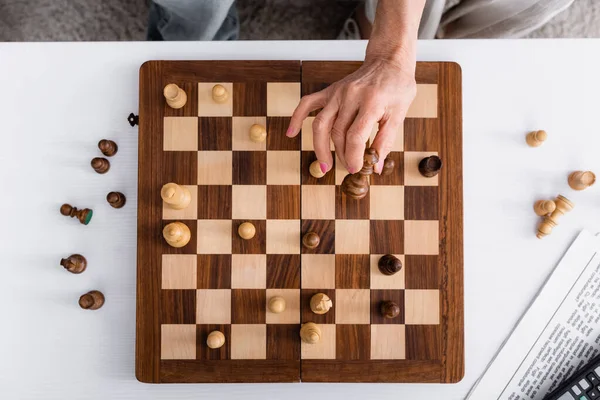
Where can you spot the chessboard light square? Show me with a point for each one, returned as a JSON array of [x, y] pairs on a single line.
[[425, 104], [388, 342], [248, 342], [421, 237], [386, 202], [318, 271], [214, 236], [318, 202], [412, 176], [180, 133], [240, 127], [283, 168], [215, 167], [352, 236], [398, 144], [207, 107], [248, 271], [177, 342], [249, 202], [352, 306], [179, 271], [324, 349], [283, 236], [213, 306], [307, 136], [291, 314], [381, 281], [422, 307], [190, 212], [282, 98]]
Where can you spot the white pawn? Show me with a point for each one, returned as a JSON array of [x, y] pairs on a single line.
[[175, 96]]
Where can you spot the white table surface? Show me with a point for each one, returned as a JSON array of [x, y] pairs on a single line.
[[58, 100]]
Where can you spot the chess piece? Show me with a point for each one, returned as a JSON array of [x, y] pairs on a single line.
[[175, 96], [311, 240], [389, 264], [388, 167], [92, 300], [108, 147], [430, 166], [536, 138], [580, 180], [389, 309], [116, 199], [176, 196], [315, 169], [258, 133], [310, 333], [84, 216], [219, 94], [563, 206], [277, 304], [545, 227], [177, 234], [247, 231], [215, 339], [320, 303], [101, 165], [75, 263], [356, 185], [544, 207]]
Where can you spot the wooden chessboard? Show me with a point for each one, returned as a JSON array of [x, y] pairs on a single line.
[[221, 282]]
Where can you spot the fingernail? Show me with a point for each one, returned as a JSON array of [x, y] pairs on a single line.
[[289, 132], [351, 170], [324, 167]]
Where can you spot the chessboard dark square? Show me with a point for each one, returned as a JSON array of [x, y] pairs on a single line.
[[352, 271], [421, 134], [352, 342], [249, 167], [397, 175], [256, 245], [421, 203], [283, 342], [249, 99], [190, 109], [214, 133], [248, 306], [214, 271], [203, 352], [276, 139], [326, 231], [421, 272], [306, 313], [387, 237], [283, 202], [349, 208], [379, 296], [177, 306], [423, 342], [307, 179], [214, 202], [189, 248], [180, 167], [312, 87], [283, 271]]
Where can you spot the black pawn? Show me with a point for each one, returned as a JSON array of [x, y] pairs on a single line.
[[430, 166], [389, 264], [116, 199], [108, 147], [100, 165]]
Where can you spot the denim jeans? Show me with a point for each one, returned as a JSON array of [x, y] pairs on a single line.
[[193, 20]]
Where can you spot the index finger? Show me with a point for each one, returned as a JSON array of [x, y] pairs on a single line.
[[307, 104]]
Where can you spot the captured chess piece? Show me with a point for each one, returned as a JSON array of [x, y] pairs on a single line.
[[430, 166], [101, 165], [320, 303], [389, 264], [310, 333], [580, 180], [75, 263], [108, 147], [175, 96], [389, 309], [544, 207], [176, 196], [315, 169], [92, 300], [545, 227], [258, 133], [177, 234], [536, 138], [84, 216], [311, 240], [215, 340], [356, 186], [388, 167], [219, 94], [563, 206], [276, 304], [247, 231], [116, 199]]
